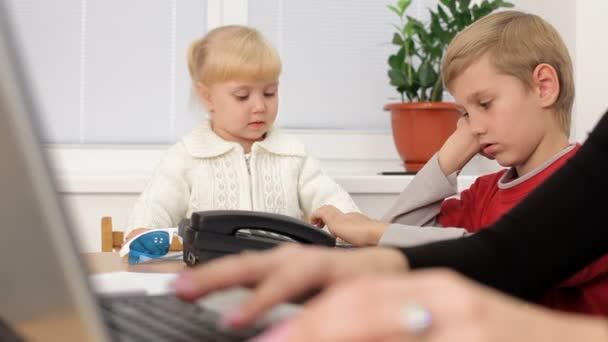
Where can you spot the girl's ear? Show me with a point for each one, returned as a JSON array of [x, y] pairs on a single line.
[[546, 82], [204, 94]]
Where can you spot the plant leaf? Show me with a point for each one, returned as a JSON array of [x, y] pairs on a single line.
[[410, 46], [397, 39], [404, 4], [426, 74], [436, 28], [443, 15], [395, 10], [465, 12], [437, 91], [408, 29], [452, 7], [463, 5], [397, 60], [414, 69], [398, 78], [415, 22]]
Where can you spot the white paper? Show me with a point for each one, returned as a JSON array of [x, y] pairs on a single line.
[[132, 282]]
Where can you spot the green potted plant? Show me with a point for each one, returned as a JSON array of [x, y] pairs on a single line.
[[421, 122]]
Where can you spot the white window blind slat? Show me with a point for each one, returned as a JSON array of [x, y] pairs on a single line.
[[49, 33]]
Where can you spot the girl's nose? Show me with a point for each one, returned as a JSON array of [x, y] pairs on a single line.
[[259, 105]]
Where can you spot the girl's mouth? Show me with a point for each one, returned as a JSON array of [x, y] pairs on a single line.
[[257, 124]]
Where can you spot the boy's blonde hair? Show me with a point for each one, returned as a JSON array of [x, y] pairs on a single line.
[[230, 53], [516, 43]]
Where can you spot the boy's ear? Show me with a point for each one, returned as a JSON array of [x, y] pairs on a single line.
[[546, 82], [204, 93]]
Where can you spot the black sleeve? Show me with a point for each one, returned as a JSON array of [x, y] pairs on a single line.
[[555, 231]]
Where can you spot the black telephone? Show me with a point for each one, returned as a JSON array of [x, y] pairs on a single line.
[[214, 233]]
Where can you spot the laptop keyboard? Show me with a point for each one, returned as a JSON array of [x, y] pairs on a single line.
[[7, 334], [165, 318]]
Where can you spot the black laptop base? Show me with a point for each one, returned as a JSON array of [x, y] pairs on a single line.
[[165, 318]]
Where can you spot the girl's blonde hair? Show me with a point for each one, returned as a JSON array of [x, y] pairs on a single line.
[[232, 52], [516, 43]]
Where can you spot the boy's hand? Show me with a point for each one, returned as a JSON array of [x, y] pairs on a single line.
[[458, 149], [354, 228]]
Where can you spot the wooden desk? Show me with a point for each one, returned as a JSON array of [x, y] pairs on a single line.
[[110, 262]]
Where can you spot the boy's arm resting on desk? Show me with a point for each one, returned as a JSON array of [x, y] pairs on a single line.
[[315, 189], [420, 202], [413, 218], [401, 235], [164, 201]]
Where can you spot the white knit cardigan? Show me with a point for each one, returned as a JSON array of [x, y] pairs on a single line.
[[205, 172]]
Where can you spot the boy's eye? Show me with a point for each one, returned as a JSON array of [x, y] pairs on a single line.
[[484, 104], [242, 97], [465, 115], [269, 94]]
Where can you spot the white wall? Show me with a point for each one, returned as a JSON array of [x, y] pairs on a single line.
[[591, 65]]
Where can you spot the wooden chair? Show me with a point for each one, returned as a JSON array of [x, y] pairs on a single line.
[[112, 240]]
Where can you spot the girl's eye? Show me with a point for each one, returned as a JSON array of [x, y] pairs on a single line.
[[241, 97], [484, 105], [269, 94]]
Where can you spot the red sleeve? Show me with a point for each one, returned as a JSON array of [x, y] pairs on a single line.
[[596, 269], [465, 212]]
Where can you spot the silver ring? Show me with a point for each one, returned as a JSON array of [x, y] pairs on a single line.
[[415, 318]]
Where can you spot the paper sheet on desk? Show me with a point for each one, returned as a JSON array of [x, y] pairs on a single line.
[[129, 282]]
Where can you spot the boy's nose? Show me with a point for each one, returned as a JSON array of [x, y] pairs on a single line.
[[477, 126]]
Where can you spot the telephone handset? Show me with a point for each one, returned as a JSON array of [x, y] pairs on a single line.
[[214, 233]]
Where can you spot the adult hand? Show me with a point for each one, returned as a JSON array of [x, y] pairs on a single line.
[[378, 308], [354, 228], [283, 273]]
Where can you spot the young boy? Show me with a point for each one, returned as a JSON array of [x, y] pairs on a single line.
[[511, 77]]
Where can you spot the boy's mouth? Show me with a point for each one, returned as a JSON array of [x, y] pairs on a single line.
[[488, 149]]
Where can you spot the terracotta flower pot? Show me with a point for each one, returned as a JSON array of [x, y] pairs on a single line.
[[420, 129]]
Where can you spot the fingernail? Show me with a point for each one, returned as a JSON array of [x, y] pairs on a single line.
[[277, 333], [230, 319], [184, 282]]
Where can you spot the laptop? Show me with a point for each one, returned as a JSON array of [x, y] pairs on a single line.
[[44, 292]]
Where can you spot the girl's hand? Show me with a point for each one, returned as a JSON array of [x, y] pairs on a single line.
[[283, 273], [354, 228], [383, 308]]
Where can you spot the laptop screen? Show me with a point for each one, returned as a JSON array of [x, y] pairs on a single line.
[[42, 278]]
